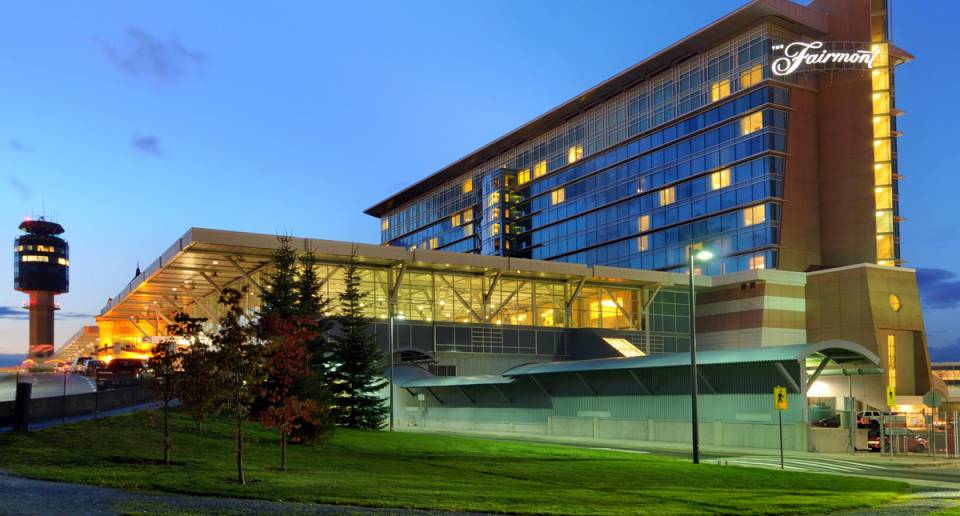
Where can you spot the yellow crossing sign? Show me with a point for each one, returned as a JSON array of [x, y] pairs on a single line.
[[891, 395], [780, 398]]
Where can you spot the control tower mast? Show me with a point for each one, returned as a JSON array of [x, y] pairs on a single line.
[[41, 269]]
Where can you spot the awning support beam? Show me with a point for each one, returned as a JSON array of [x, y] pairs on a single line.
[[216, 287], [465, 395], [621, 308], [459, 297], [540, 386], [636, 378], [786, 376], [501, 393], [246, 274], [703, 378], [434, 395], [816, 374], [593, 391], [503, 303], [576, 293]]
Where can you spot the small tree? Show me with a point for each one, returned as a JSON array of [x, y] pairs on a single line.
[[163, 363], [196, 386], [356, 372], [239, 360], [288, 363]]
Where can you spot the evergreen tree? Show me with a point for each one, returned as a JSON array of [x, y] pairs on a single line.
[[196, 387], [240, 364], [356, 370], [280, 296]]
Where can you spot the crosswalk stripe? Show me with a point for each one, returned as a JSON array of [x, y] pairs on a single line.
[[764, 464], [822, 465]]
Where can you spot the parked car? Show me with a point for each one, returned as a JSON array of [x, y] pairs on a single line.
[[120, 372], [80, 364], [913, 442], [92, 366], [869, 418], [828, 422]]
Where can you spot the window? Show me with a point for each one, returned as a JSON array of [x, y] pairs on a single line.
[[881, 79], [34, 258], [884, 196], [754, 215], [384, 224], [455, 220], [882, 150], [643, 243], [493, 198], [434, 243], [751, 123], [752, 76], [495, 214], [644, 222], [892, 360], [719, 90], [523, 176], [884, 221], [720, 179], [883, 173], [468, 185], [468, 230], [574, 153], [884, 247], [757, 262], [881, 103], [63, 261], [468, 216], [539, 169], [494, 229], [668, 196], [557, 196], [881, 126]]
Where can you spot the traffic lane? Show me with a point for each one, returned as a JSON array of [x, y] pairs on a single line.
[[46, 385]]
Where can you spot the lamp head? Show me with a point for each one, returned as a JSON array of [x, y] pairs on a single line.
[[703, 255]]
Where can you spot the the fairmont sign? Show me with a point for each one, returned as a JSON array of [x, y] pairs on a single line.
[[816, 56]]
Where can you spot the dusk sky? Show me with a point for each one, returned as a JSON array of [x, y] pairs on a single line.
[[130, 122]]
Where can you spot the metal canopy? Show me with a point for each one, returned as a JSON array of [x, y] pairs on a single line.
[[837, 350], [453, 381]]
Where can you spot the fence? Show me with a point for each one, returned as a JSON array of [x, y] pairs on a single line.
[[931, 433]]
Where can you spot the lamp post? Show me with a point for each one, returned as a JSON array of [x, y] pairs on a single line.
[[392, 317], [703, 256]]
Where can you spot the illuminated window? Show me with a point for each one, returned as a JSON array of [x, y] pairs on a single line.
[[495, 214], [34, 258], [884, 247], [557, 196], [19, 248], [752, 76], [643, 243], [884, 196], [384, 224], [644, 222], [624, 347], [718, 90], [574, 153], [468, 230], [883, 173], [539, 169], [63, 261], [757, 262], [720, 179], [881, 79], [881, 50], [882, 150], [494, 229], [468, 186], [493, 198], [881, 103], [751, 123], [754, 215], [891, 360], [881, 126], [884, 221], [455, 220], [523, 176], [468, 216], [434, 243], [668, 196]]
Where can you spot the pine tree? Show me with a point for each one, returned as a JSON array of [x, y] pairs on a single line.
[[312, 306], [280, 296], [356, 371], [240, 364]]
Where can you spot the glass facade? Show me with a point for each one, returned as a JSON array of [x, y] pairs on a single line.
[[691, 158]]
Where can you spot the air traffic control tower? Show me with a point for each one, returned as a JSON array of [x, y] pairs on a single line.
[[41, 268]]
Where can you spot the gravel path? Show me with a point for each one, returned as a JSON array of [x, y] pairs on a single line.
[[25, 497]]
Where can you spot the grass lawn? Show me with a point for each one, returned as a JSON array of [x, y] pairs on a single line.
[[422, 471]]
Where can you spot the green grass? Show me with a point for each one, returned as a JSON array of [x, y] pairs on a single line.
[[424, 471]]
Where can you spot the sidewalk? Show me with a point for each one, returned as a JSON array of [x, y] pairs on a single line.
[[915, 461]]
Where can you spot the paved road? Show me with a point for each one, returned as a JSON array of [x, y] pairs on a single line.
[[45, 385], [25, 497]]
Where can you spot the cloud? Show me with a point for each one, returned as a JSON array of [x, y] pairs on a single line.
[[24, 190], [141, 55], [13, 312], [948, 353], [939, 288], [73, 315], [147, 144], [17, 145]]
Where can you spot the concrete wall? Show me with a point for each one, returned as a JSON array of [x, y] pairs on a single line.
[[52, 408]]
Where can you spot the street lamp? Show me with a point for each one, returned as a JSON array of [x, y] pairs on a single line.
[[702, 255]]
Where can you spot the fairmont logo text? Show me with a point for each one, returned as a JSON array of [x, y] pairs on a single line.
[[814, 55]]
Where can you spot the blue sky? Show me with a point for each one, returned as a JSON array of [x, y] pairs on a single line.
[[131, 121]]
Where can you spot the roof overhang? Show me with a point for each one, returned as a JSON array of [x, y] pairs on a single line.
[[792, 16]]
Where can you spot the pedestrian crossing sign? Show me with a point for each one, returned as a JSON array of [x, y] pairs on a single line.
[[891, 395], [780, 398]]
